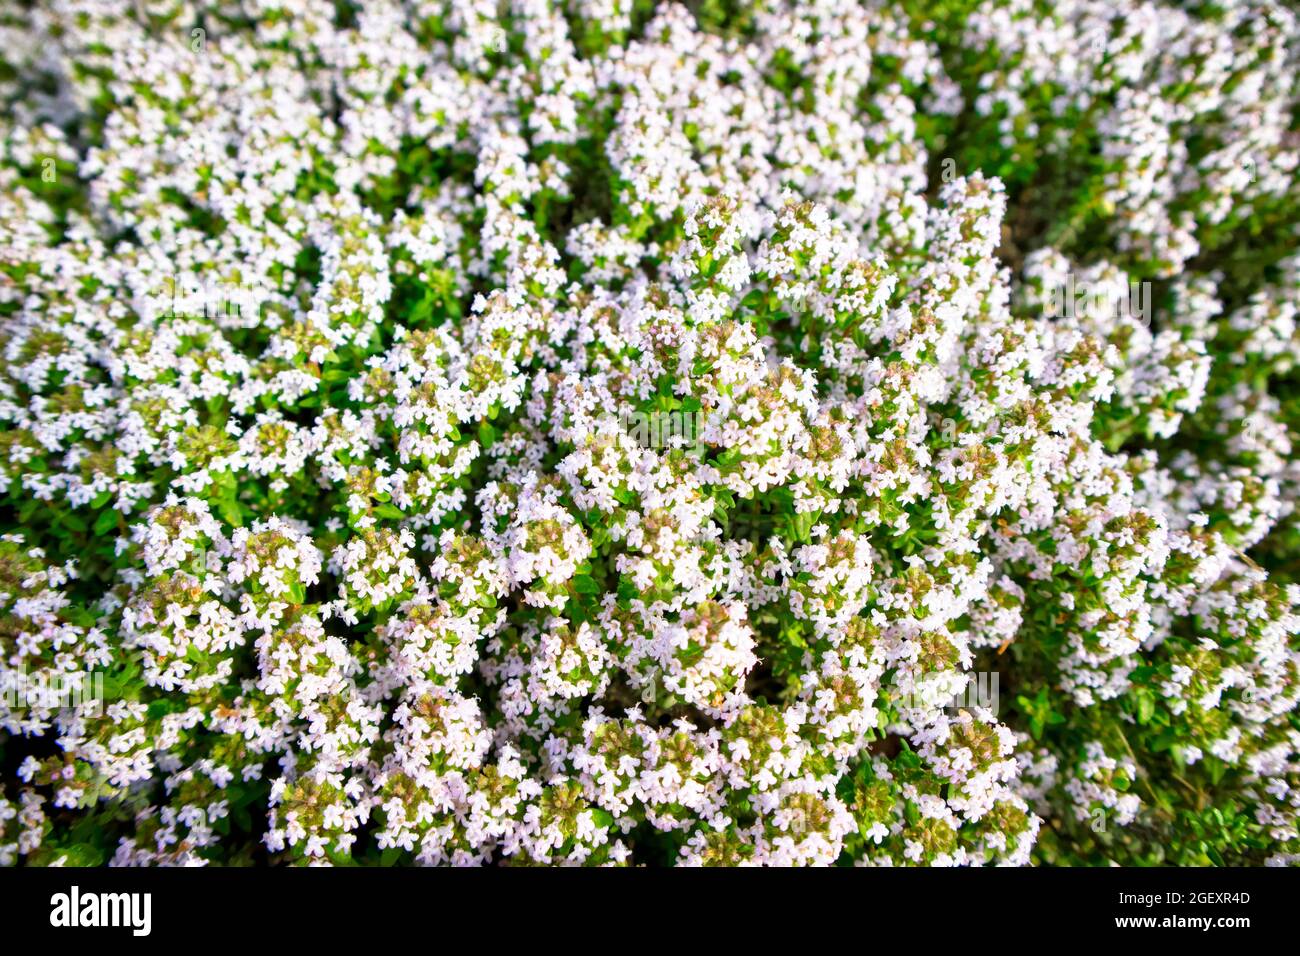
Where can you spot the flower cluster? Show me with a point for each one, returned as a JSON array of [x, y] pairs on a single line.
[[322, 325]]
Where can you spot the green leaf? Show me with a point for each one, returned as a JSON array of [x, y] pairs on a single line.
[[231, 512], [74, 521], [105, 523], [585, 585]]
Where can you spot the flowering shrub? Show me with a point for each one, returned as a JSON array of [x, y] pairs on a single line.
[[741, 432]]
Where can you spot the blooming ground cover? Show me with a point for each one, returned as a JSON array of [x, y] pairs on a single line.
[[606, 431]]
